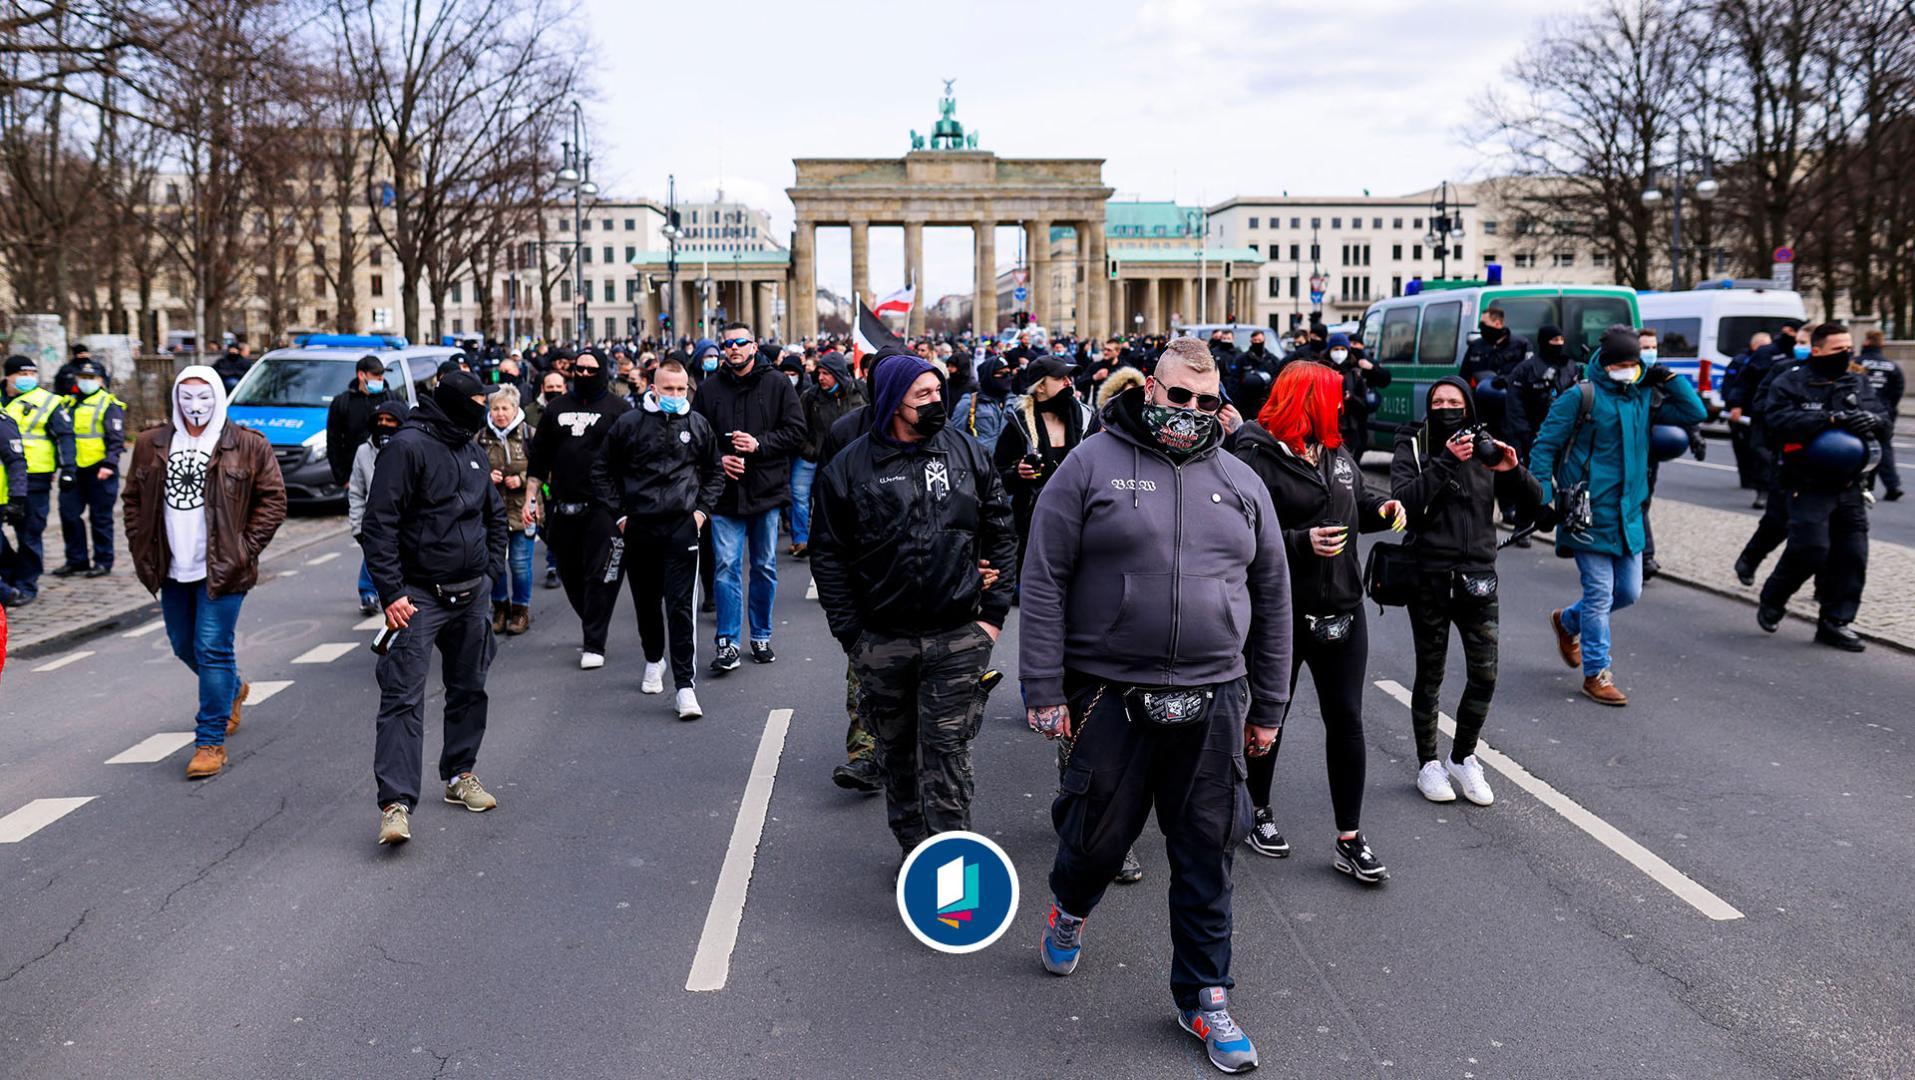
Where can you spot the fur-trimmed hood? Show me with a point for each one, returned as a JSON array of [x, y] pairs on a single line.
[[1117, 382]]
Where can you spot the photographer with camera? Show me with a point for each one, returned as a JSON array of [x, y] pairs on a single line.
[[1594, 445], [1450, 474]]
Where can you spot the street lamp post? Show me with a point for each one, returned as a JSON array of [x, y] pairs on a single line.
[[1706, 190], [1438, 238], [672, 233], [575, 172], [1317, 281]]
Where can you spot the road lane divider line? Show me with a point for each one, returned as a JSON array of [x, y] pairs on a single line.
[[37, 815], [326, 558], [143, 630], [711, 963], [59, 662], [371, 622], [811, 589], [262, 690], [1684, 887], [326, 653], [152, 748]]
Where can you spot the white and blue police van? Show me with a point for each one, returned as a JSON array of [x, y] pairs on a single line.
[[1699, 330]]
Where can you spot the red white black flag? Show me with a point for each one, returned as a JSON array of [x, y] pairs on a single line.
[[870, 334]]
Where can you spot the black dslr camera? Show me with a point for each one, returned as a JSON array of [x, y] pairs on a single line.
[[1485, 448]]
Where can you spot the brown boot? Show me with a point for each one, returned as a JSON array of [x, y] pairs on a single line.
[[1568, 644], [1601, 689], [518, 619], [239, 699], [498, 617], [207, 761]]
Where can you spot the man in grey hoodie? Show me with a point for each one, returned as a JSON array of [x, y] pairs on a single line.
[[1156, 564]]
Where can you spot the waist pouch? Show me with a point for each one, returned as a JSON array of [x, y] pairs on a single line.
[[1477, 585], [1168, 706], [458, 593], [1330, 629]]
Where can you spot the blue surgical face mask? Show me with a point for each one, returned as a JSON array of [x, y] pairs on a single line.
[[677, 406], [1648, 356], [89, 386], [711, 363], [25, 383], [375, 386], [1801, 352]]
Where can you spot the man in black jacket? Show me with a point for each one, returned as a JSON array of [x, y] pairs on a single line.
[[349, 416], [920, 620], [658, 475], [1886, 379], [1492, 356], [434, 535], [831, 396], [754, 412], [578, 531]]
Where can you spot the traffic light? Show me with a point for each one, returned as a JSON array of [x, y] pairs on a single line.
[[1023, 319]]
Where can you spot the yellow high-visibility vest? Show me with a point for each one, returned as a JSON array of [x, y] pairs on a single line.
[[31, 411], [89, 427]]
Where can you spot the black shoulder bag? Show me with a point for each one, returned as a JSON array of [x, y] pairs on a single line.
[[1573, 512]]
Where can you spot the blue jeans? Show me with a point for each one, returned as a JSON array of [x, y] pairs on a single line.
[[728, 537], [802, 473], [1610, 583], [515, 586], [366, 587], [201, 630]]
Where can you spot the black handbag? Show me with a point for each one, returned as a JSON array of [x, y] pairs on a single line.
[[1389, 575]]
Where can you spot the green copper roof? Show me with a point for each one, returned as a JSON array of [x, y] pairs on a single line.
[[1144, 221]]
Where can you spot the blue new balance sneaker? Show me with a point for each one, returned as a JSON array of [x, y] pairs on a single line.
[[1229, 1048], [1063, 941]]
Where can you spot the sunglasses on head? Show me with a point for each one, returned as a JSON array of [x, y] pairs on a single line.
[[1205, 402], [737, 343]]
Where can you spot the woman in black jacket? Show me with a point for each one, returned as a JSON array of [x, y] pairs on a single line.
[[1452, 494], [1297, 449]]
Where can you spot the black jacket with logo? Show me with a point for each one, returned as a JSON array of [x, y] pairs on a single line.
[[1452, 503], [654, 464], [566, 445], [764, 404], [1799, 405], [1307, 496], [348, 424], [433, 516], [896, 535]]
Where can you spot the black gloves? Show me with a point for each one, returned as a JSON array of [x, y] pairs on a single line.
[[1857, 421], [1658, 374], [15, 512], [67, 479], [1546, 517], [1698, 446]]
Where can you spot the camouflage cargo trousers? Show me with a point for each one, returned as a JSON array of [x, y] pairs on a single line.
[[919, 696], [858, 742]]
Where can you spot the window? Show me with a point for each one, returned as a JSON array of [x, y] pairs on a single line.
[[631, 253], [1601, 258], [1336, 223], [1416, 223], [611, 330], [1296, 223], [377, 257], [694, 217], [1293, 252], [1316, 252], [1376, 223], [1293, 286], [378, 284], [1524, 260], [631, 224], [453, 293], [1488, 257], [319, 284], [1456, 252], [631, 290], [1316, 223], [1563, 258], [1437, 343], [565, 295], [1396, 252], [1255, 248], [565, 225], [1253, 223], [458, 326], [565, 328], [1276, 287], [611, 291], [1678, 338], [1366, 254], [608, 252], [1416, 252], [1489, 227], [320, 315], [608, 224], [1396, 223], [1399, 336], [1396, 285]]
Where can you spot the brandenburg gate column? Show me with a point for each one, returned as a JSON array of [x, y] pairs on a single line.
[[984, 303], [861, 261], [914, 272], [1086, 282], [803, 303], [1037, 241], [1153, 307], [1099, 319]]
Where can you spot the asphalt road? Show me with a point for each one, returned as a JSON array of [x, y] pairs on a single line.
[[249, 926]]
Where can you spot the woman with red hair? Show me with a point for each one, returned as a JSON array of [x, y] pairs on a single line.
[[1296, 449]]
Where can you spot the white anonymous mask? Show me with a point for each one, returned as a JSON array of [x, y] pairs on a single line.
[[197, 403]]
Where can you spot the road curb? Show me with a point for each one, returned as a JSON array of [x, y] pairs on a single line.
[[147, 608]]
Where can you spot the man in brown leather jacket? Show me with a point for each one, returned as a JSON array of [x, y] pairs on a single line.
[[203, 499]]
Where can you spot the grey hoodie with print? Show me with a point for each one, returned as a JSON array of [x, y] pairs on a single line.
[[1148, 573]]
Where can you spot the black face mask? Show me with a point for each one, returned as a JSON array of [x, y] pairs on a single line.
[[466, 414], [1552, 350], [1490, 333], [930, 419], [588, 385], [1448, 419], [1058, 402], [381, 436], [1830, 365]]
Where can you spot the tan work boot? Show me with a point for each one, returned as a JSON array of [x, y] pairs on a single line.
[[498, 617], [1568, 644], [395, 825], [207, 761], [465, 790], [1601, 689], [239, 699], [518, 619]]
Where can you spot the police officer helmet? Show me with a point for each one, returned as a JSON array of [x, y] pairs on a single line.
[[1840, 455], [1667, 442]]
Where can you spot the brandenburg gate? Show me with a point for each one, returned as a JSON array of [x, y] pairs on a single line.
[[952, 183]]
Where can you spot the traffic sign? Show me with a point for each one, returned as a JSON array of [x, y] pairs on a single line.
[[1784, 255], [1783, 274], [1020, 294], [1316, 296]]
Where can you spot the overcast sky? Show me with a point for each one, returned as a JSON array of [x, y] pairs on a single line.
[[1194, 100]]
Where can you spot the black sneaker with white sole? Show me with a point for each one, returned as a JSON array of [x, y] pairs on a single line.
[[1355, 858], [1264, 839], [761, 653], [727, 659]]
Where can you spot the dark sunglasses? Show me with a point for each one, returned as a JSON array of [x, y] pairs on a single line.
[[737, 343], [1205, 402], [579, 370]]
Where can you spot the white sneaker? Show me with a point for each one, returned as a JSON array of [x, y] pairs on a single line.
[[591, 661], [1435, 786], [688, 704], [1469, 777], [654, 678]]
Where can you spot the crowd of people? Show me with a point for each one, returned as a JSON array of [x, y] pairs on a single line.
[[1175, 521]]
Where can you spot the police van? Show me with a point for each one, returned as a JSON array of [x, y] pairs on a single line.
[[1239, 333], [285, 395], [1422, 335], [1698, 331]]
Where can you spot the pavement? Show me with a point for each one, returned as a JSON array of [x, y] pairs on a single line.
[[73, 607], [1710, 883]]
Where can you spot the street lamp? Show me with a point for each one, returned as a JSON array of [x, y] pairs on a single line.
[[1706, 191], [575, 172], [1441, 226], [672, 232]]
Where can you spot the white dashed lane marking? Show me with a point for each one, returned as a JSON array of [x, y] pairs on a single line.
[[152, 748], [327, 653], [326, 558], [59, 662], [1576, 814], [711, 964], [263, 690], [145, 629], [371, 622], [37, 815], [811, 589]]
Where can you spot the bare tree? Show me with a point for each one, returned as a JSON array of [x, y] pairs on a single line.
[[339, 151]]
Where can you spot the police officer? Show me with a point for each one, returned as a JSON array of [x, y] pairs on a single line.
[[13, 501], [46, 435], [99, 434], [1827, 515], [1787, 352], [1491, 357], [1885, 378]]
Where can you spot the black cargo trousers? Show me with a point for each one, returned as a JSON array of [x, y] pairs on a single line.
[[1194, 775]]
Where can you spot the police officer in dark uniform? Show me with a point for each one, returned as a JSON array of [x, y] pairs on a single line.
[[99, 437], [13, 502], [1827, 514], [1749, 384], [1787, 352], [1886, 379], [1493, 355]]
